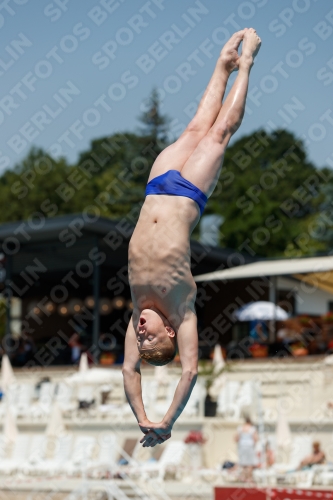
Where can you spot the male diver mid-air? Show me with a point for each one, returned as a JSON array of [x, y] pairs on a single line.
[[163, 290]]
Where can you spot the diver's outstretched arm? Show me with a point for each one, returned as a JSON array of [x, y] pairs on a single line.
[[132, 374], [187, 338]]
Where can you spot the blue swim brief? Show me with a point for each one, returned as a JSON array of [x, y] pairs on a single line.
[[172, 183]]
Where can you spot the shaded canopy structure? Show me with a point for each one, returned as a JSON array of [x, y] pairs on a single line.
[[317, 271], [53, 261]]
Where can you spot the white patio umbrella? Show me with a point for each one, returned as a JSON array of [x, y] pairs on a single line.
[[161, 374], [55, 428], [55, 425], [7, 374], [94, 376], [328, 360], [10, 431], [83, 366], [218, 361], [217, 386], [260, 310], [283, 433]]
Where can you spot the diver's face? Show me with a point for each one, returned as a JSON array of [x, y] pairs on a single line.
[[151, 329]]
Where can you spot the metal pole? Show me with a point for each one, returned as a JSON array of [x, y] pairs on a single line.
[[272, 298], [261, 423], [96, 288], [8, 293]]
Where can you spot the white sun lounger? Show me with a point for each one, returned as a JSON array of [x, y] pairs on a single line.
[[106, 453], [63, 447], [43, 406], [149, 392], [23, 399], [172, 457], [162, 407], [193, 404], [36, 455], [227, 398], [18, 456], [63, 396], [80, 456]]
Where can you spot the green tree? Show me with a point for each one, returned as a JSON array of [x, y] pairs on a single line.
[[118, 168], [120, 164], [264, 192], [263, 179], [154, 125], [111, 175], [31, 186], [322, 226]]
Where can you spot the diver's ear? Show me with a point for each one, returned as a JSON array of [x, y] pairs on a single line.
[[170, 331]]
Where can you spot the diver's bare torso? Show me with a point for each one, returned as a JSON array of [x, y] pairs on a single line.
[[159, 256]]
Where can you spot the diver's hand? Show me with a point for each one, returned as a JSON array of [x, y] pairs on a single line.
[[155, 433], [145, 425], [151, 439]]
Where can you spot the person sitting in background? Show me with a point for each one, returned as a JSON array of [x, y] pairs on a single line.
[[258, 331], [317, 457], [286, 335], [268, 458]]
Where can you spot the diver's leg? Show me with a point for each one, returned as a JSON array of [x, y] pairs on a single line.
[[174, 156], [204, 165]]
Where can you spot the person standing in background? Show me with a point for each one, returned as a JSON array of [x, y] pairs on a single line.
[[246, 439], [76, 348]]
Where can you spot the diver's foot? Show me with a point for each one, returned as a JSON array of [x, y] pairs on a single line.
[[250, 48], [229, 54]]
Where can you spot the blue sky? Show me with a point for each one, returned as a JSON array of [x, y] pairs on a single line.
[[73, 71]]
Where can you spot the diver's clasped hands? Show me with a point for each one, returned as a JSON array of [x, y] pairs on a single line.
[[154, 433]]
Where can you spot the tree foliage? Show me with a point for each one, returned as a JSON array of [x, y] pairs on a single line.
[[266, 195], [268, 191], [153, 123]]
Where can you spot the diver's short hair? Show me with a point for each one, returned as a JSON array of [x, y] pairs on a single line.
[[163, 354]]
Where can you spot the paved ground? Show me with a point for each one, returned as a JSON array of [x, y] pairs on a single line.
[[69, 489]]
